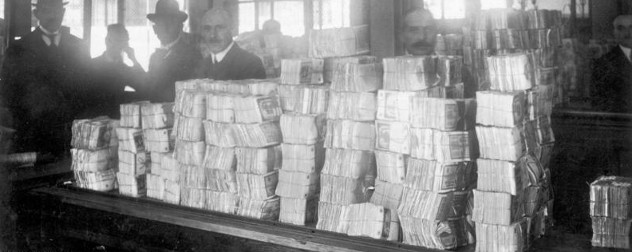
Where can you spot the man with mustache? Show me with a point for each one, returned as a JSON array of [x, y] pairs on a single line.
[[223, 58], [612, 74], [45, 82], [177, 57]]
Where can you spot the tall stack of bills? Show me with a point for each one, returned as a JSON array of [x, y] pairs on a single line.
[[157, 123], [611, 211], [429, 76], [94, 153], [134, 159], [349, 168]]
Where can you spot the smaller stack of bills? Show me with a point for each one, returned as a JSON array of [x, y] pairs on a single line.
[[304, 99], [352, 106], [409, 73], [130, 114], [346, 134], [498, 238], [302, 128], [257, 109], [302, 71], [497, 208], [157, 115], [511, 72], [500, 109], [491, 139], [366, 219]]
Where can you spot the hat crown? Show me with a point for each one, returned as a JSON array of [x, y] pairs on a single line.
[[167, 7], [49, 3]]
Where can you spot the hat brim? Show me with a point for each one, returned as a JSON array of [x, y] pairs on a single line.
[[180, 17]]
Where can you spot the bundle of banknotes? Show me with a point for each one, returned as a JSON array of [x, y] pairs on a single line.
[[158, 140], [542, 18], [387, 194], [169, 168], [391, 167], [428, 175], [132, 185], [368, 220], [264, 209], [329, 216], [190, 103], [93, 160], [193, 197], [395, 105], [497, 208], [539, 102], [339, 42], [304, 129], [509, 39], [130, 114], [546, 57], [303, 158], [248, 87], [155, 186], [408, 73], [547, 76], [258, 160], [189, 153], [357, 77], [304, 99], [298, 211], [501, 109], [498, 238], [244, 135], [448, 234], [298, 185], [98, 181], [346, 134], [257, 109], [352, 106], [542, 38], [257, 186], [130, 139], [611, 232], [302, 71], [500, 143], [342, 190], [533, 200], [430, 205], [393, 136], [511, 72], [334, 63], [442, 114], [192, 176], [94, 134], [134, 163], [539, 131], [190, 129], [443, 146], [501, 176], [220, 107], [224, 202], [349, 163], [157, 115], [449, 69], [611, 196], [172, 192]]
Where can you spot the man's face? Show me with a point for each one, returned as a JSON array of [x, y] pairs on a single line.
[[167, 30], [116, 41], [50, 17], [623, 30], [419, 34], [216, 33]]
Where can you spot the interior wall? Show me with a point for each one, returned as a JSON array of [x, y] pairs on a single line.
[[602, 14]]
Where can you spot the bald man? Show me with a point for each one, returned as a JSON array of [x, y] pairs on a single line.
[[223, 58], [419, 32], [612, 73]]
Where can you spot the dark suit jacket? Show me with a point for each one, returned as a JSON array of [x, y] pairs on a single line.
[[238, 64], [45, 88], [165, 68], [110, 79], [612, 83]]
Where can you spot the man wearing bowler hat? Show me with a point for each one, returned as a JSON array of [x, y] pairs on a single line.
[[44, 81], [177, 57]]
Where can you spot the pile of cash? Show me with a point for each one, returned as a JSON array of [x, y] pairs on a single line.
[[611, 211], [443, 146], [498, 208], [351, 106], [366, 219], [408, 73], [134, 158], [332, 64], [447, 234], [511, 72], [257, 109], [430, 175], [304, 99], [249, 87], [357, 77], [94, 153], [442, 114], [339, 42], [302, 71], [346, 134], [130, 114], [500, 109], [498, 238], [302, 128], [500, 143]]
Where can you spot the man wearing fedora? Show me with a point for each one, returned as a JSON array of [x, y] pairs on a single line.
[[177, 57], [45, 81], [223, 58]]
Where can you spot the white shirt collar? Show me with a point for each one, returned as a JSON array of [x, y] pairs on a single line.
[[626, 51], [218, 57], [168, 46], [46, 35]]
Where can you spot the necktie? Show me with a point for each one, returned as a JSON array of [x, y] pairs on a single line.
[[51, 38]]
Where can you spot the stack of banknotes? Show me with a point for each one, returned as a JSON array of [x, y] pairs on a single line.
[[130, 114], [334, 63], [304, 99], [302, 71], [408, 73], [511, 72], [366, 219], [305, 129], [352, 106], [94, 153], [611, 211], [498, 208], [357, 77], [498, 238]]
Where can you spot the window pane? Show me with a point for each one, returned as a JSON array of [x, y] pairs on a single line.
[[265, 12], [335, 13], [246, 17], [74, 17], [104, 13], [434, 6], [141, 35], [454, 9], [493, 4], [290, 15]]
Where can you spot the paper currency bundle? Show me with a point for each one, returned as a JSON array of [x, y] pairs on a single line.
[[329, 216], [94, 134], [130, 140], [393, 136], [172, 192], [497, 208], [356, 77], [157, 115], [134, 163], [302, 71], [132, 185], [190, 129], [131, 114], [500, 109], [430, 205], [351, 106], [611, 232], [611, 197], [298, 185], [449, 69], [367, 220], [348, 163], [449, 234], [539, 131], [342, 190], [395, 105], [346, 134], [249, 87], [497, 238], [169, 168], [257, 186], [511, 72], [246, 135], [298, 211], [221, 165], [155, 186], [428, 175], [189, 153], [264, 209], [408, 73], [387, 194], [304, 99], [224, 202], [303, 158], [193, 197], [93, 160], [391, 167], [220, 108], [190, 103], [257, 109], [192, 176], [443, 114], [501, 176], [302, 128], [158, 140], [491, 139], [332, 64], [339, 42], [258, 160], [539, 102], [446, 147], [98, 181], [541, 18]]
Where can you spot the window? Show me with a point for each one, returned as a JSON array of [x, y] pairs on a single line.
[[331, 14], [104, 13], [73, 18], [446, 9], [493, 4], [289, 13]]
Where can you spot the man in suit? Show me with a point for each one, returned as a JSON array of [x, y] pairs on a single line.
[[612, 73], [223, 58], [44, 81], [178, 55]]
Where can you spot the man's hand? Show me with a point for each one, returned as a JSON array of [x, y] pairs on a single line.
[[130, 54]]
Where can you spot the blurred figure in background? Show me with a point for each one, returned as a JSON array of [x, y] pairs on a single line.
[[223, 58], [112, 74], [178, 55]]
